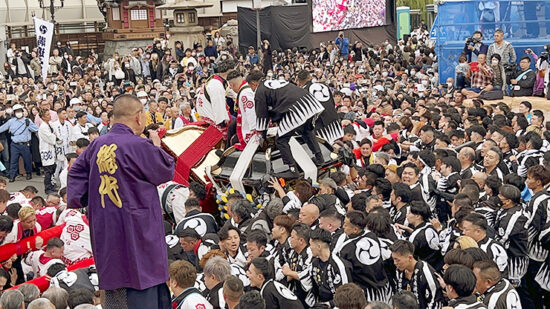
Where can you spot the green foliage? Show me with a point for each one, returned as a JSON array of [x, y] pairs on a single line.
[[416, 4]]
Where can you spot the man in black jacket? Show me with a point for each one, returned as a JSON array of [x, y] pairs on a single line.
[[496, 292], [522, 84], [294, 110], [460, 283], [275, 294], [216, 270], [416, 276]]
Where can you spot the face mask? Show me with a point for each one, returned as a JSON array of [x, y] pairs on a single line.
[[127, 65], [384, 74], [19, 115], [191, 68], [66, 56], [413, 73], [425, 82], [143, 101], [449, 85], [494, 62]]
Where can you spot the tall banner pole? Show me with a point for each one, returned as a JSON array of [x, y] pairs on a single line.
[[44, 33]]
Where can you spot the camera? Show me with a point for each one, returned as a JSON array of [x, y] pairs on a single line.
[[544, 54], [472, 41]]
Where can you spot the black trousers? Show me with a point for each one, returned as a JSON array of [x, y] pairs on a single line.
[[308, 134], [49, 172], [156, 297]]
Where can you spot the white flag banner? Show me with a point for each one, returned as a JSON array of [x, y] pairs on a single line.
[[44, 33]]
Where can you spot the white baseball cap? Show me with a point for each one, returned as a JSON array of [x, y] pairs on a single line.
[[17, 106], [141, 94], [75, 101]]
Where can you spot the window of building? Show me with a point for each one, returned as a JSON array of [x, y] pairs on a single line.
[[192, 17], [116, 13], [180, 18], [158, 14], [138, 14]]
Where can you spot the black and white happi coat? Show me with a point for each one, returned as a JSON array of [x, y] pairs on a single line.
[[284, 103], [201, 222], [468, 302], [543, 275], [365, 255], [497, 253], [327, 125], [502, 295], [537, 217], [423, 285], [215, 296], [426, 244], [82, 278], [300, 263], [399, 215], [277, 296], [528, 158], [328, 276], [512, 234], [448, 236]]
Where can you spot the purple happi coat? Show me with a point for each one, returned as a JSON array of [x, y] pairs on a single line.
[[117, 178]]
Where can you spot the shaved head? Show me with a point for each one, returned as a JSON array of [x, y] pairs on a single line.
[[126, 106], [127, 110], [308, 214]]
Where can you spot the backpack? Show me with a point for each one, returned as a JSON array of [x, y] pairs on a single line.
[[492, 95]]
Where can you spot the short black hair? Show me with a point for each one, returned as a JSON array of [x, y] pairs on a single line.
[[257, 236], [71, 155], [262, 266], [402, 247], [234, 74], [192, 203], [55, 268], [13, 210], [55, 242], [422, 209], [321, 235], [82, 142], [225, 65], [461, 278], [80, 296], [80, 114], [224, 232], [30, 189], [477, 220], [357, 218], [254, 76], [6, 223], [302, 230], [198, 189], [453, 162], [252, 300], [384, 187], [403, 191], [404, 300]]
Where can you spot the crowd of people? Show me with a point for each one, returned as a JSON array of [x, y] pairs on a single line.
[[347, 14], [445, 203]]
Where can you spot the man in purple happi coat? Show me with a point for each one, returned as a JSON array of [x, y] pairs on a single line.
[[117, 178]]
